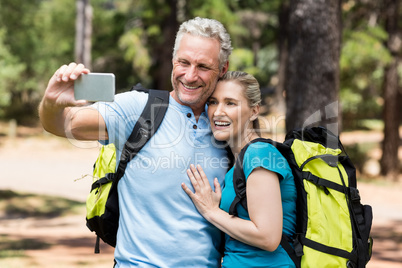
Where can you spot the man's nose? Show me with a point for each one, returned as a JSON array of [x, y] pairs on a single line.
[[192, 74]]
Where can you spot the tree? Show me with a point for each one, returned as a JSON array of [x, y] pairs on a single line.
[[27, 37], [83, 32], [148, 40], [312, 75], [163, 48], [389, 160], [363, 60], [283, 15], [10, 71]]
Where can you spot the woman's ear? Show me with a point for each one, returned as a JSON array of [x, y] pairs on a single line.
[[255, 112]]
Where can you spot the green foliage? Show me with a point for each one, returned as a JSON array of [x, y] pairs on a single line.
[[215, 9], [364, 48], [127, 36], [267, 64], [55, 45], [136, 52], [362, 62], [10, 70], [38, 36], [241, 58]]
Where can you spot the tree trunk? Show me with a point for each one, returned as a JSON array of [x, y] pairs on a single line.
[[83, 35], [163, 66], [312, 75], [389, 160], [283, 55]]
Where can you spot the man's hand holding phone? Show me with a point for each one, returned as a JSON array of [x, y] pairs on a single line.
[[60, 91], [61, 114], [95, 87]]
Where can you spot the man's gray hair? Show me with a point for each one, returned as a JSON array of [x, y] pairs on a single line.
[[208, 28]]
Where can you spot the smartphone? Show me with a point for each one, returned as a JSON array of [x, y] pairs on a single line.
[[95, 87]]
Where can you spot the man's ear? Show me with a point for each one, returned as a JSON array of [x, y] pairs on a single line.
[[225, 68]]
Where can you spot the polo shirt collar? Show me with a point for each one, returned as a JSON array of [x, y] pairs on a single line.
[[186, 109]]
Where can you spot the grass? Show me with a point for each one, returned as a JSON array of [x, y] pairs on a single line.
[[17, 247], [13, 204], [21, 205], [8, 253]]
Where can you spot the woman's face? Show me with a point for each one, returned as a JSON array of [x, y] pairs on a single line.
[[229, 112]]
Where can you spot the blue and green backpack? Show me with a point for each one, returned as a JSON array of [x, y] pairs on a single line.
[[102, 204], [332, 226]]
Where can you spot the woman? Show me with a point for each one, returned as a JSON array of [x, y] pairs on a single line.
[[252, 238]]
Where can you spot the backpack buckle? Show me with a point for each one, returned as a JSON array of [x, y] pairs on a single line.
[[354, 194], [298, 247], [350, 264]]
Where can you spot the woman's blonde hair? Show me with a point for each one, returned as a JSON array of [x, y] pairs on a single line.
[[251, 90]]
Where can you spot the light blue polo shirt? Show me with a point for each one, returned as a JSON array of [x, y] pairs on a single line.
[[159, 225]]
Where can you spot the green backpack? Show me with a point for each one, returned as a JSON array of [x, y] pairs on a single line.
[[102, 203], [332, 226]]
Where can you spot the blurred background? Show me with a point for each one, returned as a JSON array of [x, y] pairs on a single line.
[[333, 63]]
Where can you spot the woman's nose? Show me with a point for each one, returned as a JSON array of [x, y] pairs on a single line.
[[219, 110]]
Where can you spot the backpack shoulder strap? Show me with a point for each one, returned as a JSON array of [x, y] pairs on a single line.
[[239, 179], [239, 184], [140, 88], [147, 124]]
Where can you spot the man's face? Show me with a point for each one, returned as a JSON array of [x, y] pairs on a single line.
[[196, 71]]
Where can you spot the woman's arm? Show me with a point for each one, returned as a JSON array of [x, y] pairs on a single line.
[[264, 206]]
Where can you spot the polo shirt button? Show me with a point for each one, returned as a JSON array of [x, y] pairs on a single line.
[[189, 115], [195, 126]]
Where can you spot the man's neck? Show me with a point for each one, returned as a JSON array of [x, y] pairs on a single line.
[[196, 108]]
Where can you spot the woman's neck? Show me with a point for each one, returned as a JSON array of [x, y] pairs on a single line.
[[237, 145]]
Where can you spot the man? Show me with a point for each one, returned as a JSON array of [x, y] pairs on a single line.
[[159, 225]]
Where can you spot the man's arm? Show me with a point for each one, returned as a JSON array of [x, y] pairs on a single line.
[[61, 115]]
